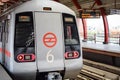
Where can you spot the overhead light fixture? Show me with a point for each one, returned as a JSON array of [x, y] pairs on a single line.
[[1, 3]]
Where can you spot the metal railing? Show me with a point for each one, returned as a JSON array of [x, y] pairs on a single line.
[[115, 39]]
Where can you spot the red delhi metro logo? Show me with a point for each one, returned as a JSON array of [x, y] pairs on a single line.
[[49, 39]]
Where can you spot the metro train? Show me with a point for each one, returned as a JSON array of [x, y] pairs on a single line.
[[39, 40]]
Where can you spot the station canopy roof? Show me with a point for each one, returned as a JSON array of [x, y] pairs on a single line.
[[85, 5]]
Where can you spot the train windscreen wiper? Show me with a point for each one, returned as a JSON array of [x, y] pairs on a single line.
[[30, 39]]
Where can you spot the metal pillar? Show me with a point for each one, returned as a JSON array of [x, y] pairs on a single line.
[[106, 28], [83, 20], [85, 29]]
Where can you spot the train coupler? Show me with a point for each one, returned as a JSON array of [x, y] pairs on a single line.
[[54, 76]]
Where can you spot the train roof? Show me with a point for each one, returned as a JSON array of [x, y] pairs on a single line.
[[38, 5]]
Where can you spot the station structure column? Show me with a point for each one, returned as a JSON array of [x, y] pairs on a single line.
[[106, 27], [83, 20]]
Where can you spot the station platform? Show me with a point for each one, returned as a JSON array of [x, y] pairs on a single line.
[[105, 47], [3, 74], [104, 53]]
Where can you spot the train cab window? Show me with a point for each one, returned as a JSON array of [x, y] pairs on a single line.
[[70, 30], [71, 37], [24, 34], [23, 29]]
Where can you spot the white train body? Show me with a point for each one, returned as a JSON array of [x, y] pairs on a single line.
[[40, 37]]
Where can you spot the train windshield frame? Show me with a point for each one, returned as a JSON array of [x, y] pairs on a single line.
[[71, 37], [24, 43]]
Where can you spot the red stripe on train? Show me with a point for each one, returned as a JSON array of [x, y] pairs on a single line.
[[7, 53]]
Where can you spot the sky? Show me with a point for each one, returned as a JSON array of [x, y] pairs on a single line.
[[114, 20]]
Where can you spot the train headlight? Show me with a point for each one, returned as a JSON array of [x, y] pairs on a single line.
[[71, 54], [20, 57], [26, 57], [76, 54]]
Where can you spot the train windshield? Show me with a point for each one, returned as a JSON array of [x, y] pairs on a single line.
[[24, 36], [24, 32], [70, 30]]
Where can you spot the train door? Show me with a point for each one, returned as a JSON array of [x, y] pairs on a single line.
[[1, 41], [4, 48], [49, 42]]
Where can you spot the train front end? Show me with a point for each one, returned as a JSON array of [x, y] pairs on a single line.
[[46, 42]]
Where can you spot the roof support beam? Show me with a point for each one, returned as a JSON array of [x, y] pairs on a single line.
[[106, 28], [115, 4], [83, 20], [93, 5]]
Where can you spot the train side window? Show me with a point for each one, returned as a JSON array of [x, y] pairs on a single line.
[[7, 22], [4, 25], [2, 31]]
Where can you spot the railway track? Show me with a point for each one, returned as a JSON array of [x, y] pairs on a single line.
[[90, 73], [97, 71]]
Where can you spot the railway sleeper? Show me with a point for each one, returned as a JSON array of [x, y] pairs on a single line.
[[83, 77], [93, 75], [101, 66], [98, 74]]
